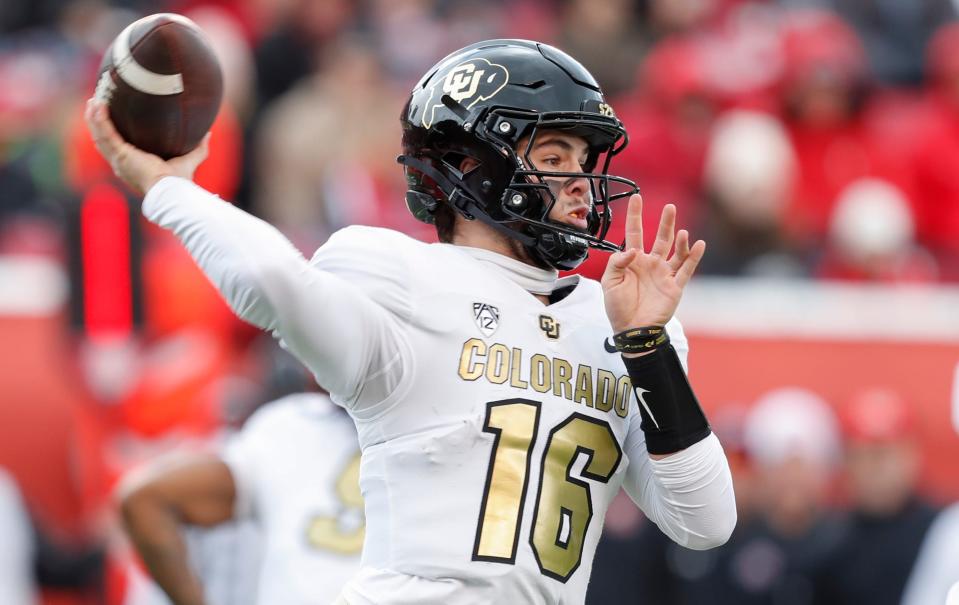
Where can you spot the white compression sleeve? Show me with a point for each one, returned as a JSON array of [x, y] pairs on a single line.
[[688, 494]]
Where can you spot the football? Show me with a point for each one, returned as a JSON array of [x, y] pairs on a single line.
[[162, 84]]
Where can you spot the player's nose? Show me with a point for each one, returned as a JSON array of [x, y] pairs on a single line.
[[576, 187]]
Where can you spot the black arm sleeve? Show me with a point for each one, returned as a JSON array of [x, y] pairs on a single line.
[[672, 417]]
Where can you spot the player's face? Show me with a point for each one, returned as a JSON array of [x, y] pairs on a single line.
[[556, 151]]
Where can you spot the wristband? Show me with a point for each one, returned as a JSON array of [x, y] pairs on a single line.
[[671, 416], [640, 340]]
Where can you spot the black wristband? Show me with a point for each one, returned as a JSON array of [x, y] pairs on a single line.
[[671, 416], [640, 340]]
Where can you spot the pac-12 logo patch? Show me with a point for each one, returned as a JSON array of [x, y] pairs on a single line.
[[467, 83], [486, 317]]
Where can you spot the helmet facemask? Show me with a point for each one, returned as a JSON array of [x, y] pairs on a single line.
[[524, 204]]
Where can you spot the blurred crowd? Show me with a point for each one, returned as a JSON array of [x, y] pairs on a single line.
[[829, 513], [812, 138], [807, 139]]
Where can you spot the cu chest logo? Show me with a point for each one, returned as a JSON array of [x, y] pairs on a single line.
[[549, 326]]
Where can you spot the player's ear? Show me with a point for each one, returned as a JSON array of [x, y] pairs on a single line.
[[468, 164]]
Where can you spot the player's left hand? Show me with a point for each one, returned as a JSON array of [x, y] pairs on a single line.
[[135, 167], [644, 288]]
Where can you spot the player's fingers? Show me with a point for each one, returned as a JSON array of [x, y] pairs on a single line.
[[621, 260], [686, 271], [617, 265], [666, 232], [681, 251], [105, 136], [634, 222], [199, 153]]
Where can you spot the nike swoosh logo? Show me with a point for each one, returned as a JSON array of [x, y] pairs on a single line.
[[639, 395], [610, 347]]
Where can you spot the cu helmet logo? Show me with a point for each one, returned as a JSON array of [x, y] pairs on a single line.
[[467, 83]]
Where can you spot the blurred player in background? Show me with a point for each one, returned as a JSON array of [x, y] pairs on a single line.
[[17, 584], [494, 414], [293, 469], [888, 520], [935, 573]]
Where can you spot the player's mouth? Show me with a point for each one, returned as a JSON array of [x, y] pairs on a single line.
[[578, 218]]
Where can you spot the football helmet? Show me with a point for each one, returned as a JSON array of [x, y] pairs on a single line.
[[480, 102]]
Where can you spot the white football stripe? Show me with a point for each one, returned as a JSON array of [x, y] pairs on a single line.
[[138, 76]]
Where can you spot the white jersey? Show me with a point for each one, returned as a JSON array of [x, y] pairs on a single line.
[[296, 469], [495, 429], [16, 556], [935, 574]]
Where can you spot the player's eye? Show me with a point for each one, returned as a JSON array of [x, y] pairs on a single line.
[[558, 163]]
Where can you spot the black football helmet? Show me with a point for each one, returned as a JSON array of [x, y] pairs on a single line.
[[479, 102]]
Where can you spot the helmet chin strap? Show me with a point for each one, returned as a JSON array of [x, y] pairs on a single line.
[[558, 250]]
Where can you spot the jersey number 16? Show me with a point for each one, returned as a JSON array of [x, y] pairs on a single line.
[[564, 506]]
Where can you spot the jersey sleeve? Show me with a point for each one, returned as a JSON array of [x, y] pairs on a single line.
[[350, 341], [688, 494]]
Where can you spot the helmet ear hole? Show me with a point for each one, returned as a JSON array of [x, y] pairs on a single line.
[[461, 162]]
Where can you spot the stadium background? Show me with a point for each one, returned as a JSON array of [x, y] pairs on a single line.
[[814, 145]]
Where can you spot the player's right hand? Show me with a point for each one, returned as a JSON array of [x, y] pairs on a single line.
[[644, 288], [137, 168]]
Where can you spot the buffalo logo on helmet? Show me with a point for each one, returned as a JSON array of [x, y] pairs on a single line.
[[467, 83]]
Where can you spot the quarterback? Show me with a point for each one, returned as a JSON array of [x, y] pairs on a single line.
[[499, 408]]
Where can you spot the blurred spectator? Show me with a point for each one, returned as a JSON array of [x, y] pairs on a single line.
[[777, 554], [748, 174], [895, 33], [872, 237], [667, 17], [887, 523], [296, 47], [744, 57], [442, 26], [395, 23], [17, 584], [309, 191], [292, 44], [937, 152], [825, 95], [18, 15], [792, 437], [606, 38], [636, 563]]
